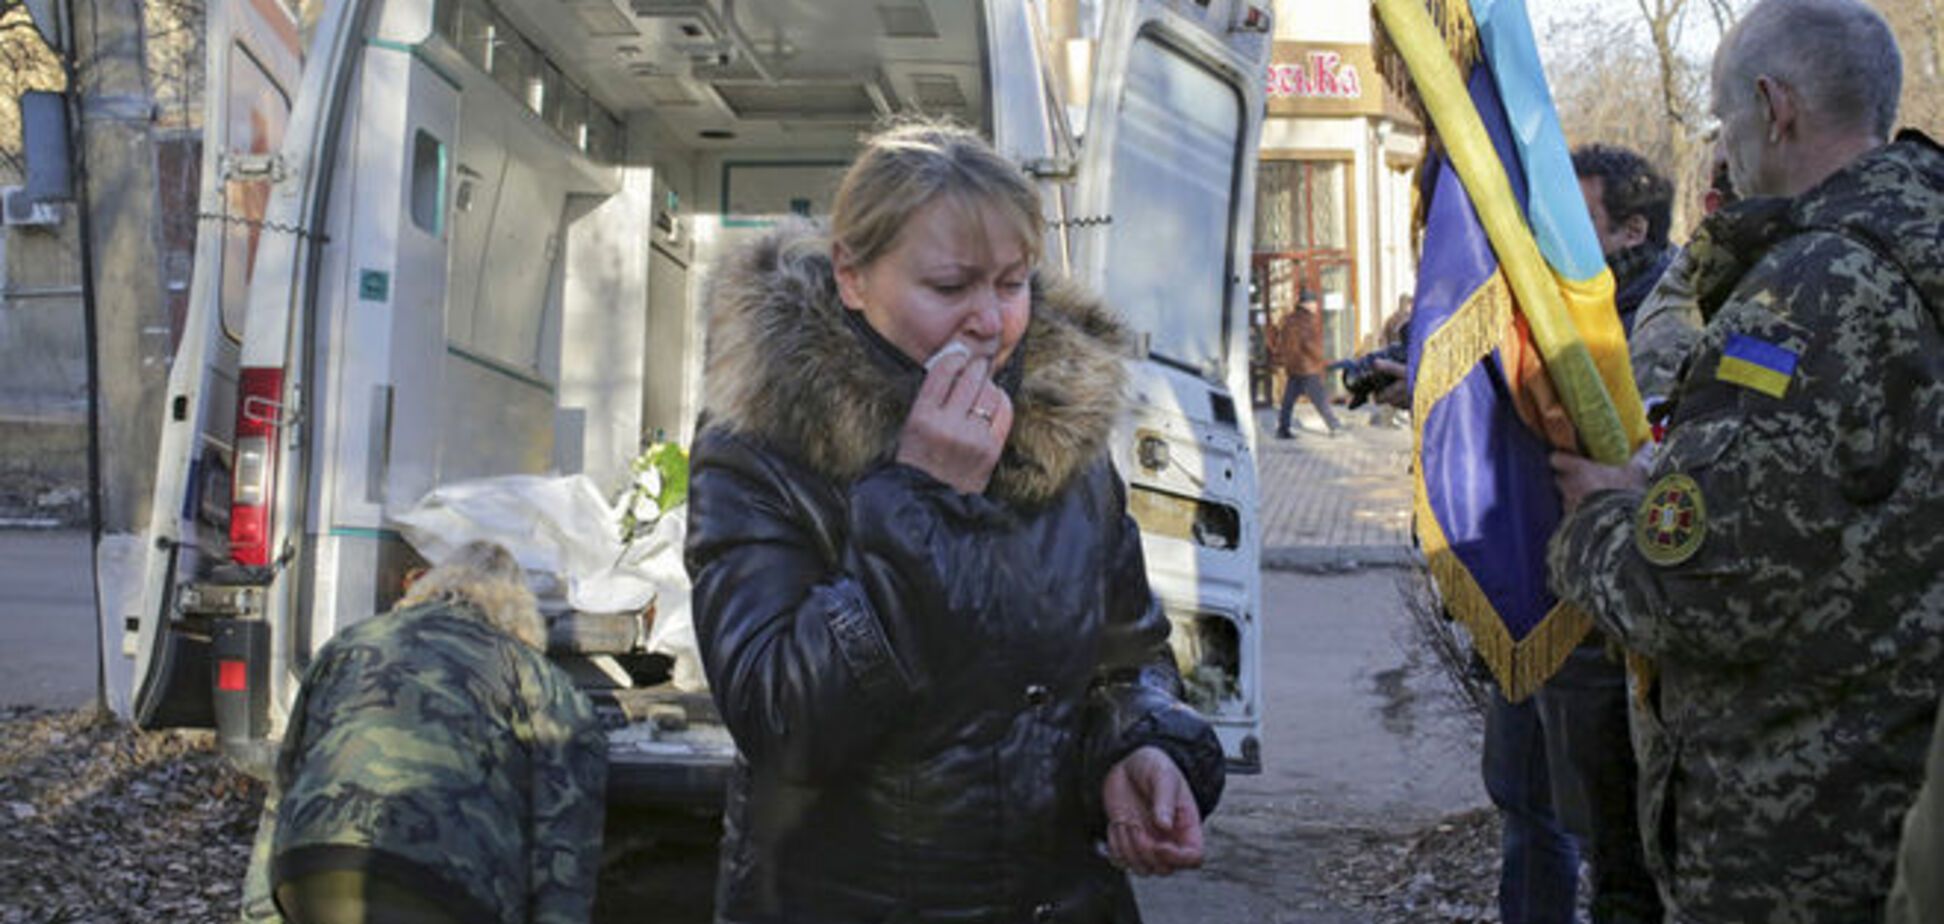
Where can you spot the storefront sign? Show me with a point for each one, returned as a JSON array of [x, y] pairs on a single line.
[[1312, 79]]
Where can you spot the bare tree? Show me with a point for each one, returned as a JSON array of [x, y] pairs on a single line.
[[174, 48], [26, 63], [1681, 108], [1638, 78], [1919, 26]]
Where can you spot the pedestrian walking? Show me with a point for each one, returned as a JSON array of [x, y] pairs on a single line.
[[1298, 348]]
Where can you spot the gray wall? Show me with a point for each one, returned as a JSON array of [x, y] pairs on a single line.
[[43, 374]]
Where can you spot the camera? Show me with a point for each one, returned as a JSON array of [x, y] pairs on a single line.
[[1362, 378]]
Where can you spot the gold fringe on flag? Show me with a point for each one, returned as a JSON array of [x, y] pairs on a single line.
[[1460, 31], [1606, 435], [1451, 353]]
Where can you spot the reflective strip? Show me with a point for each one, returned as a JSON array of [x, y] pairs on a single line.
[[232, 677]]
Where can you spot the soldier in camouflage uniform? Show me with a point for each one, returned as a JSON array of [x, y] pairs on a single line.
[[1668, 321], [438, 767], [1782, 561]]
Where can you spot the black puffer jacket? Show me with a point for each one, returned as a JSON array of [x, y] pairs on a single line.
[[927, 687]]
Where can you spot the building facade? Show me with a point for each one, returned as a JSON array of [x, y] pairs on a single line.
[[1334, 191]]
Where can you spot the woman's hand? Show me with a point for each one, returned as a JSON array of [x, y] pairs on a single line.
[[1153, 826], [958, 424]]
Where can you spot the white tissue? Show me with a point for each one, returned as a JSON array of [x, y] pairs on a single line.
[[950, 347]]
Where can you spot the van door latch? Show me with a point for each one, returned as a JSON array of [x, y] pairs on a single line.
[[236, 167], [269, 412], [1051, 168]]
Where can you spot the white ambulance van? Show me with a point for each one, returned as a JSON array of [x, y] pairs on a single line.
[[444, 240]]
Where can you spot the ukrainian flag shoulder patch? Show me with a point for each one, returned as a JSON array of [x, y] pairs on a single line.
[[1757, 364]]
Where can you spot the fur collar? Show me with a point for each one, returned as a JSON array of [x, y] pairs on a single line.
[[786, 366]]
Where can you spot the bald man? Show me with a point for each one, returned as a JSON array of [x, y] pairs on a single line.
[[1780, 557]]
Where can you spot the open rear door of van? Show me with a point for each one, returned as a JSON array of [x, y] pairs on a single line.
[[186, 599], [1162, 223]]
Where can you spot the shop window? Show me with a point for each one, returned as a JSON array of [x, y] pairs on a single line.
[[486, 39], [1302, 205], [1303, 244]]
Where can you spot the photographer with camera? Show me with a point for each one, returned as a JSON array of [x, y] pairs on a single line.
[[1383, 374]]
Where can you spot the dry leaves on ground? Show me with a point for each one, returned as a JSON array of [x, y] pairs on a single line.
[[1446, 873], [100, 822]]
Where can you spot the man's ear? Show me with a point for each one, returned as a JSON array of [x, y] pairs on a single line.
[[1778, 104], [1634, 230], [850, 276]]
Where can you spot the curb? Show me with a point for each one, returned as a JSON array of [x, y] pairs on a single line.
[[1338, 559], [32, 523]]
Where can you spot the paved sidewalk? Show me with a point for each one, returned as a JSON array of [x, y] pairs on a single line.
[[1334, 503]]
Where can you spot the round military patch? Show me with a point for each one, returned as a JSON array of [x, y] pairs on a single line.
[[1672, 521]]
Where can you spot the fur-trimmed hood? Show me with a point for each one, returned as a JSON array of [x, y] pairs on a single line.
[[787, 366]]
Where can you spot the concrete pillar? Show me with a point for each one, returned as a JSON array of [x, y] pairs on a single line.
[[117, 204]]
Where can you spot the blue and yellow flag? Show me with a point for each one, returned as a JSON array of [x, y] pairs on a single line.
[[1515, 345], [1757, 364]]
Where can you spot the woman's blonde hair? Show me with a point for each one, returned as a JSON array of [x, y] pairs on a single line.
[[909, 165], [487, 576]]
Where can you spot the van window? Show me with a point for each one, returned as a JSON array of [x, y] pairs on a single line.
[[1174, 170], [485, 38], [255, 111]]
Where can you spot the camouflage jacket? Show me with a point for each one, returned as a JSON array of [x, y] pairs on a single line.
[[435, 749], [1784, 565], [1665, 328]]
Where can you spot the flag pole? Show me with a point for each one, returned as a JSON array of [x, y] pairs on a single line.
[[1570, 365]]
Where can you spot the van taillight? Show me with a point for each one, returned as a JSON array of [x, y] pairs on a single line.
[[259, 410]]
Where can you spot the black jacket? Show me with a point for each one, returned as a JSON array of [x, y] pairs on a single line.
[[927, 687], [1635, 272]]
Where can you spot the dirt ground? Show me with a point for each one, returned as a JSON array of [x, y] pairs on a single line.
[[1368, 807]]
